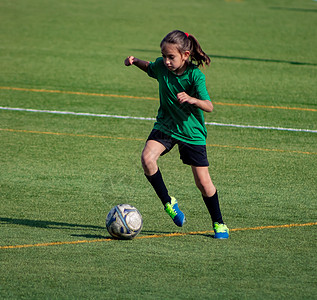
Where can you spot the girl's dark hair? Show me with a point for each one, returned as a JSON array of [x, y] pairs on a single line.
[[187, 42]]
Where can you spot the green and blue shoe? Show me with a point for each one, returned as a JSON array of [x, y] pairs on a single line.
[[175, 213], [221, 231]]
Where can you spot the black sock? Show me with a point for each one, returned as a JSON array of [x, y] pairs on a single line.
[[158, 184], [213, 207]]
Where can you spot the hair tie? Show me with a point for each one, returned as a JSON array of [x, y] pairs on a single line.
[[186, 34]]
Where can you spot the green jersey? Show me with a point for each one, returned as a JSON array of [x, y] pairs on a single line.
[[184, 122]]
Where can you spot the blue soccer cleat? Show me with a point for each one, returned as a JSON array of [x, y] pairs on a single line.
[[221, 231], [175, 213]]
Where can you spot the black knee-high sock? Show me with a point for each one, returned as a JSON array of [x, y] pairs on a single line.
[[213, 207], [158, 184]]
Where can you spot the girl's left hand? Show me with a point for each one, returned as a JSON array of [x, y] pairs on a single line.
[[183, 97]]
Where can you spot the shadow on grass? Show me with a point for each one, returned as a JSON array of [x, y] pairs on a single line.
[[212, 236], [79, 227], [68, 226], [152, 232], [93, 236], [243, 58], [47, 224], [163, 233]]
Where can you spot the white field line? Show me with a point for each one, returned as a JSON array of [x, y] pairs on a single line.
[[150, 119]]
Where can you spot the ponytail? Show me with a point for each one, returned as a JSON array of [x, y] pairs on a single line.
[[187, 42], [196, 53]]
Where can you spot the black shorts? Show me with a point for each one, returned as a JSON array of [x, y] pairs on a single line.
[[193, 155]]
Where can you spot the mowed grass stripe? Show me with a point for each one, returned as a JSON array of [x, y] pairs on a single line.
[[142, 139], [175, 234], [149, 98]]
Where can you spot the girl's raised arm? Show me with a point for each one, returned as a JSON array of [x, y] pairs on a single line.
[[141, 64]]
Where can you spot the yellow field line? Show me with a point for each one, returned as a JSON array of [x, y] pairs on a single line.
[[55, 244], [71, 134], [175, 234], [266, 106], [231, 230], [139, 139], [74, 93], [147, 98]]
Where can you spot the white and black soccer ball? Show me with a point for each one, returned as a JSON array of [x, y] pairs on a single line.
[[124, 221]]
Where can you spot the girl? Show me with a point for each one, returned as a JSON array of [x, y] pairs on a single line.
[[180, 120]]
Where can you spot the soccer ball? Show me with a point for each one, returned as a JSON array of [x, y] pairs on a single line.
[[124, 221]]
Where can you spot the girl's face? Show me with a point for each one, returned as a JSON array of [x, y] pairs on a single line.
[[174, 60]]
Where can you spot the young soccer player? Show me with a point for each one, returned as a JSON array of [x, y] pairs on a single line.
[[180, 120]]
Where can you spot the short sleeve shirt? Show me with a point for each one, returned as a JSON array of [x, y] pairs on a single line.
[[184, 122]]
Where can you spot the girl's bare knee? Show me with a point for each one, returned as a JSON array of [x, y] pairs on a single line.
[[203, 186], [150, 155], [149, 163], [204, 182], [207, 188]]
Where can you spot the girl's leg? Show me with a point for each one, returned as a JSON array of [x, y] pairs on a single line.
[[150, 155], [209, 192], [203, 181]]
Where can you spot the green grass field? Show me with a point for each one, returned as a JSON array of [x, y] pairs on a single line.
[[60, 174]]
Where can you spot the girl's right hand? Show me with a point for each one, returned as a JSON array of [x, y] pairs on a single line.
[[129, 60]]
